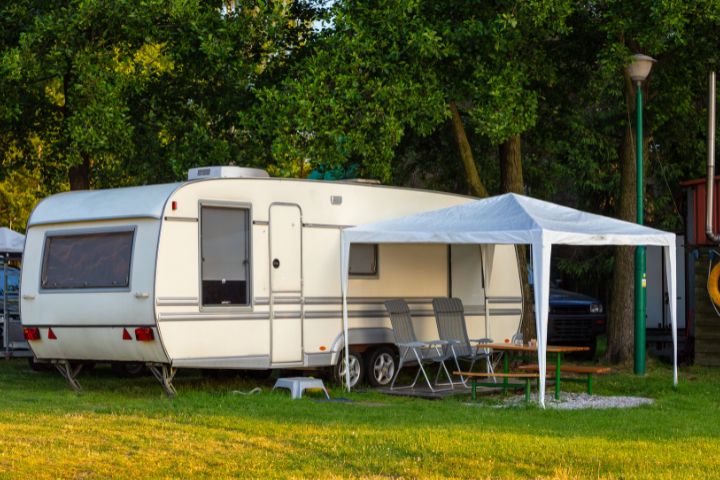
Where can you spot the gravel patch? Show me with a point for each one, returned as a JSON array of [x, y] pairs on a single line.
[[578, 401]]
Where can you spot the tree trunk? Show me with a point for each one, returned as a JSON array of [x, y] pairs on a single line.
[[620, 323], [476, 185], [511, 180], [79, 175]]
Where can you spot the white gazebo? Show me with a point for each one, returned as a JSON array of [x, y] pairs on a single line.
[[515, 219], [11, 241]]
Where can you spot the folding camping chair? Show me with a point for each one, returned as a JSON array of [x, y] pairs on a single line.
[[427, 352], [450, 318]]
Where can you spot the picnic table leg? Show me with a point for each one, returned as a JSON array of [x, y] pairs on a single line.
[[557, 375], [527, 389], [474, 388], [589, 383]]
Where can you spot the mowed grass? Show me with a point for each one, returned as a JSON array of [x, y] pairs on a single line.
[[126, 428]]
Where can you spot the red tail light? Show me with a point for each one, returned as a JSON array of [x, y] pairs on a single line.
[[600, 322], [31, 333], [126, 334], [51, 334], [144, 334]]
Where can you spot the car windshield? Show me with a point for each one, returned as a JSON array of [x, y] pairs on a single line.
[[13, 281]]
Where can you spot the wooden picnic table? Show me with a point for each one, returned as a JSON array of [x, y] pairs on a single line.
[[558, 350]]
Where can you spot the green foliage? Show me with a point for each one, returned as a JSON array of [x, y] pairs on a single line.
[[19, 192], [385, 69], [139, 90]]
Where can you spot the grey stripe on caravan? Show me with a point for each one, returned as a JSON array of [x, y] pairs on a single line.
[[364, 336], [317, 314], [191, 317], [326, 225], [181, 219], [500, 312], [306, 225], [183, 317], [338, 300], [505, 299], [318, 359], [177, 301], [251, 361]]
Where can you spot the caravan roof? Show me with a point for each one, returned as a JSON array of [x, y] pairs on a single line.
[[132, 202]]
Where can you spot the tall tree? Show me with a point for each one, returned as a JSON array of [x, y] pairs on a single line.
[[112, 93], [584, 152]]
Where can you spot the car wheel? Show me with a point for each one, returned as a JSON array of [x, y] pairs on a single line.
[[357, 369], [381, 366]]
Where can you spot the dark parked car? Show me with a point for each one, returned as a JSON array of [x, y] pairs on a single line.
[[13, 288], [575, 319]]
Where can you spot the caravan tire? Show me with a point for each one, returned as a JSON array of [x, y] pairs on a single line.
[[357, 370], [36, 366], [381, 366]]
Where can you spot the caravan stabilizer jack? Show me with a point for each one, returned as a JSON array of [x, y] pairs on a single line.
[[70, 372], [165, 375]]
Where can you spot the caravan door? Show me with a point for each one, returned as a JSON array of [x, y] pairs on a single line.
[[286, 296]]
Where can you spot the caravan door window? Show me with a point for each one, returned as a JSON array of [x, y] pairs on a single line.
[[225, 255], [87, 260]]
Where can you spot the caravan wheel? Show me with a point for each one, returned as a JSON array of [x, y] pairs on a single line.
[[381, 366], [357, 370]]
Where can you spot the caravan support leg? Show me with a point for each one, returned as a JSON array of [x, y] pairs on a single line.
[[70, 373], [165, 375]]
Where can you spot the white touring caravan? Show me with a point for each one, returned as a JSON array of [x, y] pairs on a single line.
[[236, 270]]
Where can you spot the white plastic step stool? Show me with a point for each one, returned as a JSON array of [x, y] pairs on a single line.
[[296, 385]]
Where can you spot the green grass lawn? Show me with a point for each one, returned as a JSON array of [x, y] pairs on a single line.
[[126, 428]]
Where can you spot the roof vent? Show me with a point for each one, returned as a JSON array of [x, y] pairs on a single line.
[[226, 172]]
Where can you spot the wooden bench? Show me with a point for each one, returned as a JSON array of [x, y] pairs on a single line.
[[587, 370], [520, 375]]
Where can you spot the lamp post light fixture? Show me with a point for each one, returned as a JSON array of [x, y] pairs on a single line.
[[638, 70]]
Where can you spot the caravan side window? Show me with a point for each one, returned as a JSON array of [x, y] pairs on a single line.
[[363, 259], [87, 260], [225, 255]]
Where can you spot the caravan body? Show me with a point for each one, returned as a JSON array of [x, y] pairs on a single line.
[[242, 273]]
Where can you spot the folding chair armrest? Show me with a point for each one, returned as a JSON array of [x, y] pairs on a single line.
[[411, 344], [437, 342]]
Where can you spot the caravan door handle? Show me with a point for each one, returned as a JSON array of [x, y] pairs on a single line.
[[28, 297], [141, 295]]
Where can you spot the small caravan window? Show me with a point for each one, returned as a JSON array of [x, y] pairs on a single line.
[[225, 251], [87, 260], [363, 259]]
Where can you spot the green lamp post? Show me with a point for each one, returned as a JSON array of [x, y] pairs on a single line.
[[638, 71]]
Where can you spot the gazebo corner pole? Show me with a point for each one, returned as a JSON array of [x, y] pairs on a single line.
[[640, 275]]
